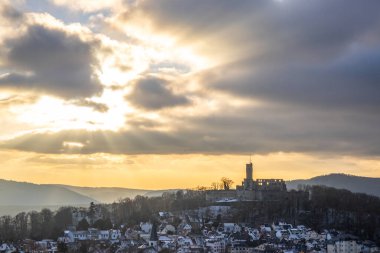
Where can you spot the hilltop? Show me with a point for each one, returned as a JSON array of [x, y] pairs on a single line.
[[368, 185]]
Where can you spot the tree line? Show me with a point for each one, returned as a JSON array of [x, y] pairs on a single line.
[[48, 224], [315, 206], [318, 207], [35, 225]]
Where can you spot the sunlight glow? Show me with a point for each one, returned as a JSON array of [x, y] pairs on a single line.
[[54, 114], [171, 87]]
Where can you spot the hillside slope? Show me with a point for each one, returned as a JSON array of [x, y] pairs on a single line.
[[113, 194], [352, 183], [21, 193], [106, 194]]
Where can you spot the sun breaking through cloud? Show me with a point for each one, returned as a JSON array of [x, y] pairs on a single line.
[[214, 79]]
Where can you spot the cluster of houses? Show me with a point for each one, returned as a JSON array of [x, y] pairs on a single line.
[[185, 233], [169, 235], [71, 236], [46, 246]]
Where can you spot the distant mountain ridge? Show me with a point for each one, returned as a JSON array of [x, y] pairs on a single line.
[[106, 194], [16, 196], [22, 193], [368, 185], [22, 196], [112, 194]]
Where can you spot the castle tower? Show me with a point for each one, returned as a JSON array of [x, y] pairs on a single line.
[[249, 171], [248, 180]]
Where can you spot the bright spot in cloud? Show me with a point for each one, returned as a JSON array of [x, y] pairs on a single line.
[[54, 114]]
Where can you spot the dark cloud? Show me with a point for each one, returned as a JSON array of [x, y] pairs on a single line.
[[350, 82], [10, 14], [100, 107], [154, 94], [291, 28], [51, 61], [138, 141], [313, 66], [308, 53], [257, 130], [17, 80]]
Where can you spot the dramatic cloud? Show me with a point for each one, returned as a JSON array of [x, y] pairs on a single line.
[[256, 76], [261, 131], [51, 61], [313, 28], [280, 50], [350, 82], [154, 94]]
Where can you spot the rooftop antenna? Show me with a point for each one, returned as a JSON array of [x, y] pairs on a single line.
[[250, 158]]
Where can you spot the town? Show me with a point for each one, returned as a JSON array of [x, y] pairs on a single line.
[[126, 126], [214, 236], [258, 216]]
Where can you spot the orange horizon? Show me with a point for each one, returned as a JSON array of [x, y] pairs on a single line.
[[156, 172]]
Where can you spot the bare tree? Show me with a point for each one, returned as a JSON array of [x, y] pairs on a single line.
[[215, 186], [226, 182]]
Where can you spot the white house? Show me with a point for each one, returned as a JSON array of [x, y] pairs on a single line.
[[80, 235], [168, 229], [216, 246], [104, 235], [266, 228], [231, 228], [115, 234], [350, 246], [145, 227]]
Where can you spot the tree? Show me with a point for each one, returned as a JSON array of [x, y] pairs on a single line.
[[35, 225], [179, 194], [21, 225], [47, 223], [62, 247], [63, 218], [108, 224], [6, 228], [99, 224], [216, 186], [226, 182], [83, 248], [83, 225], [91, 212], [103, 224]]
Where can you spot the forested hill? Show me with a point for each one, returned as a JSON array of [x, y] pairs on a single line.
[[114, 194], [352, 183], [24, 194], [106, 194], [321, 208], [20, 196]]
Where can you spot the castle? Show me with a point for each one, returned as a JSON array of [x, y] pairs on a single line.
[[251, 190]]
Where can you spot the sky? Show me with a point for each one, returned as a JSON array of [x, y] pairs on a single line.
[[161, 94]]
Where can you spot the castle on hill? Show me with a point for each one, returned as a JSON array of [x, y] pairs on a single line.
[[251, 190]]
